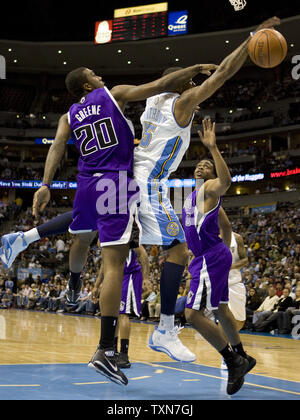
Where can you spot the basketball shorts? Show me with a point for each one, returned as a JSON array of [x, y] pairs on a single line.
[[159, 223], [132, 293], [209, 283], [237, 301], [106, 203]]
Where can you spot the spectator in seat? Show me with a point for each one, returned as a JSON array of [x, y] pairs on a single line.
[[267, 305], [268, 321]]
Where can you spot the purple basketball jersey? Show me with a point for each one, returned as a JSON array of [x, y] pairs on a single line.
[[201, 230], [131, 264], [101, 133]]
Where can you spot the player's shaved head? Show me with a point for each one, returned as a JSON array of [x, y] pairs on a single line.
[[75, 81]]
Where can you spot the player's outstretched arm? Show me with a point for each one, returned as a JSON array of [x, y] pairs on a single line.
[[54, 157], [169, 83], [186, 104], [221, 184], [244, 261]]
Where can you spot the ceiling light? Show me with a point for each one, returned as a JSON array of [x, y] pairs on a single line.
[[119, 51], [176, 59], [64, 63], [167, 48], [128, 62], [59, 51], [15, 61], [10, 49]]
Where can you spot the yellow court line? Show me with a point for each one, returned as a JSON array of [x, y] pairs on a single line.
[[141, 377], [191, 380], [19, 386], [91, 383], [219, 377]]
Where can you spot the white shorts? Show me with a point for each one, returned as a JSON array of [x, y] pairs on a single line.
[[159, 223], [237, 301]]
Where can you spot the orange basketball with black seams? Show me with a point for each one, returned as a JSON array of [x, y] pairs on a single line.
[[267, 48]]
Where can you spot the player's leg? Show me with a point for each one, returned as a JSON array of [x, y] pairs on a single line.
[[165, 336], [113, 260], [132, 288], [77, 260], [160, 226], [15, 243], [170, 280], [209, 289], [115, 229], [124, 331], [237, 305], [237, 365]]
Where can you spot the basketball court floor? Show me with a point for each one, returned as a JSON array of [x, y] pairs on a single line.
[[44, 356]]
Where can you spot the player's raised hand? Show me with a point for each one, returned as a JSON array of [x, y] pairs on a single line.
[[40, 200], [208, 137], [269, 23], [208, 68]]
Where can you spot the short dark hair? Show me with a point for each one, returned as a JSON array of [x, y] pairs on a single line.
[[171, 70], [75, 80]]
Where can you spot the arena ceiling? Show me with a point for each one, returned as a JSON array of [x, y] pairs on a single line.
[[29, 37]]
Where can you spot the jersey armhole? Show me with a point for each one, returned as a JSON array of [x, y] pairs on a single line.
[[173, 113]]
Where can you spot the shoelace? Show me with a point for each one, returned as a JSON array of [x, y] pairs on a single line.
[[175, 332]]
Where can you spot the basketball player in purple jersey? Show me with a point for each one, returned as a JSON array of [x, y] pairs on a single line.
[[105, 141], [202, 216]]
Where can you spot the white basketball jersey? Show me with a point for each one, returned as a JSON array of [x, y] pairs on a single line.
[[235, 274], [164, 142]]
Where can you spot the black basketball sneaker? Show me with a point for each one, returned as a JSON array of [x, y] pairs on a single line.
[[122, 361], [73, 293], [238, 366], [104, 363]]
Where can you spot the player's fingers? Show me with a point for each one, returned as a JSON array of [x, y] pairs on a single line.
[[200, 134]]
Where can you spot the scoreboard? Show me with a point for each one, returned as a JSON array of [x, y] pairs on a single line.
[[144, 22], [131, 28]]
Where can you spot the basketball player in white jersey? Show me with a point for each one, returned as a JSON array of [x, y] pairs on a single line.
[[237, 290], [167, 122]]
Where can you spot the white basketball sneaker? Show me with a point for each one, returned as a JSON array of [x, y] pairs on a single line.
[[12, 245], [169, 343]]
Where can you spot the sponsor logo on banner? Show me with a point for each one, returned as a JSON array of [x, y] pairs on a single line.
[[48, 141], [178, 22]]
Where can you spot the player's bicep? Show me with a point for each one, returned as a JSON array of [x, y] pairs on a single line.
[[131, 93], [216, 188], [63, 132]]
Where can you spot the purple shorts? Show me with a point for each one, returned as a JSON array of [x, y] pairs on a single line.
[[209, 284], [106, 203], [132, 293]]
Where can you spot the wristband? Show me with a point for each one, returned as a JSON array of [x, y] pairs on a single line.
[[46, 185]]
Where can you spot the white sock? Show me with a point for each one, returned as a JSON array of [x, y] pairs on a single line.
[[166, 322], [31, 235]]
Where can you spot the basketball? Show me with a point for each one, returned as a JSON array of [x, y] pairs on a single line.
[[267, 48]]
